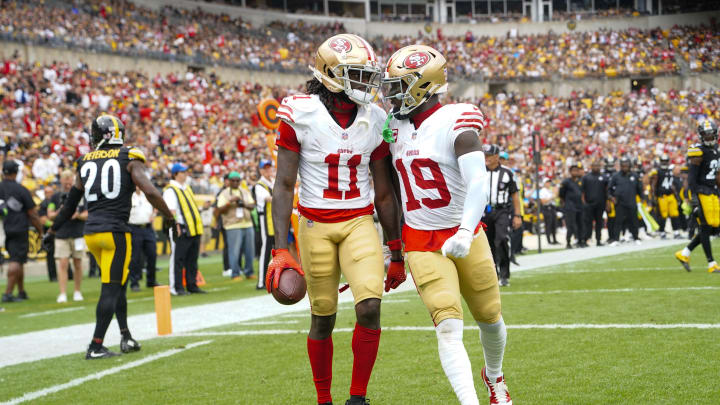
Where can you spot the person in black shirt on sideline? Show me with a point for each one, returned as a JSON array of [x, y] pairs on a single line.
[[594, 190], [623, 189], [47, 223], [18, 212], [572, 204]]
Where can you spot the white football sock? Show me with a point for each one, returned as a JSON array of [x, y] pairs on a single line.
[[686, 252], [493, 337], [455, 361]]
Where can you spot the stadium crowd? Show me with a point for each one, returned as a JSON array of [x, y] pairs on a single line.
[[177, 34], [213, 126]]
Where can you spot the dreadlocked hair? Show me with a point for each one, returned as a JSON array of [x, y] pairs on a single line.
[[327, 97]]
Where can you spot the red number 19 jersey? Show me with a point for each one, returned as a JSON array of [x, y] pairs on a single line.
[[432, 188], [334, 161]]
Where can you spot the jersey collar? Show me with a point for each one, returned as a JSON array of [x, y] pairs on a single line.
[[418, 119]]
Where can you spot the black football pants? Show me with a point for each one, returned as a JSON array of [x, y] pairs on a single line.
[[625, 216], [573, 224], [594, 213], [498, 225]]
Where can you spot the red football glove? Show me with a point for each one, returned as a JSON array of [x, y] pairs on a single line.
[[282, 259], [395, 275]]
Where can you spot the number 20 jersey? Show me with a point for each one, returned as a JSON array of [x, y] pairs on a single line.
[[708, 166], [432, 188], [108, 188], [334, 162]]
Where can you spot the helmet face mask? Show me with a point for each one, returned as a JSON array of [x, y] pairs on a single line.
[[397, 91], [708, 133], [107, 130], [413, 75], [346, 63]]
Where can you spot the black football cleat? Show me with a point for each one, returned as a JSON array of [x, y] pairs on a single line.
[[128, 345], [101, 353], [357, 400]]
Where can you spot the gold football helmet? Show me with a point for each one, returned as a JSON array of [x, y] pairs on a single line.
[[413, 74], [347, 63]]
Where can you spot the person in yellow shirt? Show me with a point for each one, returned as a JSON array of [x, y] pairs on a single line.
[[234, 205]]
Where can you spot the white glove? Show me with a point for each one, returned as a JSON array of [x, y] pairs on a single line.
[[458, 245]]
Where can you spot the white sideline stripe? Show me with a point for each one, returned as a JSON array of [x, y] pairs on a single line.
[[78, 381], [606, 290], [49, 343], [253, 323], [218, 289], [52, 311], [130, 301], [431, 328]]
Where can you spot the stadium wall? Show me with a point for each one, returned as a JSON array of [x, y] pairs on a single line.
[[465, 88], [377, 29], [106, 62]]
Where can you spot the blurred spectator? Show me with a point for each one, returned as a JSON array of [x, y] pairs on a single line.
[[144, 242], [186, 248], [263, 197], [69, 241], [234, 204], [18, 212], [47, 223], [45, 168]]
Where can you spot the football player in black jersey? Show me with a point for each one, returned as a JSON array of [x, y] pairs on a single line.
[[107, 177], [663, 186], [703, 160]]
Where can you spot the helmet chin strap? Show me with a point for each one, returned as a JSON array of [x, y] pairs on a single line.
[[100, 144]]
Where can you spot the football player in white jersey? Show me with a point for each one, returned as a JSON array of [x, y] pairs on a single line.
[[332, 137], [443, 182]]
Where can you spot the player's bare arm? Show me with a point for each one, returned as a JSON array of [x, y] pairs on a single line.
[[137, 172], [386, 202], [283, 192]]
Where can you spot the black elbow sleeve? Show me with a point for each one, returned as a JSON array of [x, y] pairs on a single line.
[[68, 208]]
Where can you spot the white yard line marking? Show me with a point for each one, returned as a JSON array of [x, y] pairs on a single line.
[[470, 327], [53, 311], [252, 323], [294, 315], [606, 290], [130, 301], [78, 381], [218, 289]]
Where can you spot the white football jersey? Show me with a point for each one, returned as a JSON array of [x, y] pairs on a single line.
[[334, 162], [433, 190]]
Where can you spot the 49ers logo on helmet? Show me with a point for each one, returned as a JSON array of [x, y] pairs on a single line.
[[340, 45], [416, 60]]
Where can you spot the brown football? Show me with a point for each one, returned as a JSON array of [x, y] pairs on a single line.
[[291, 288]]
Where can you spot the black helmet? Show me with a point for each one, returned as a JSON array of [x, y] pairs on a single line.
[[708, 130], [107, 130], [625, 161], [664, 161]]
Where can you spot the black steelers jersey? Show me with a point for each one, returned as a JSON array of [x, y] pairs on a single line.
[[665, 181], [708, 167], [108, 188]]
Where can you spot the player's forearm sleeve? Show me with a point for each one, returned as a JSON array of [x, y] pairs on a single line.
[[474, 174], [68, 208]]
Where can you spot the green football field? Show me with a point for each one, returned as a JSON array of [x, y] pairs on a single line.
[[631, 328]]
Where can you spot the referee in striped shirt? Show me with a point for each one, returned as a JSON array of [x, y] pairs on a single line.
[[503, 211]]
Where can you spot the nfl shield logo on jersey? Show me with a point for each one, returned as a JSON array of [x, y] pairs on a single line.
[[414, 135], [344, 136]]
